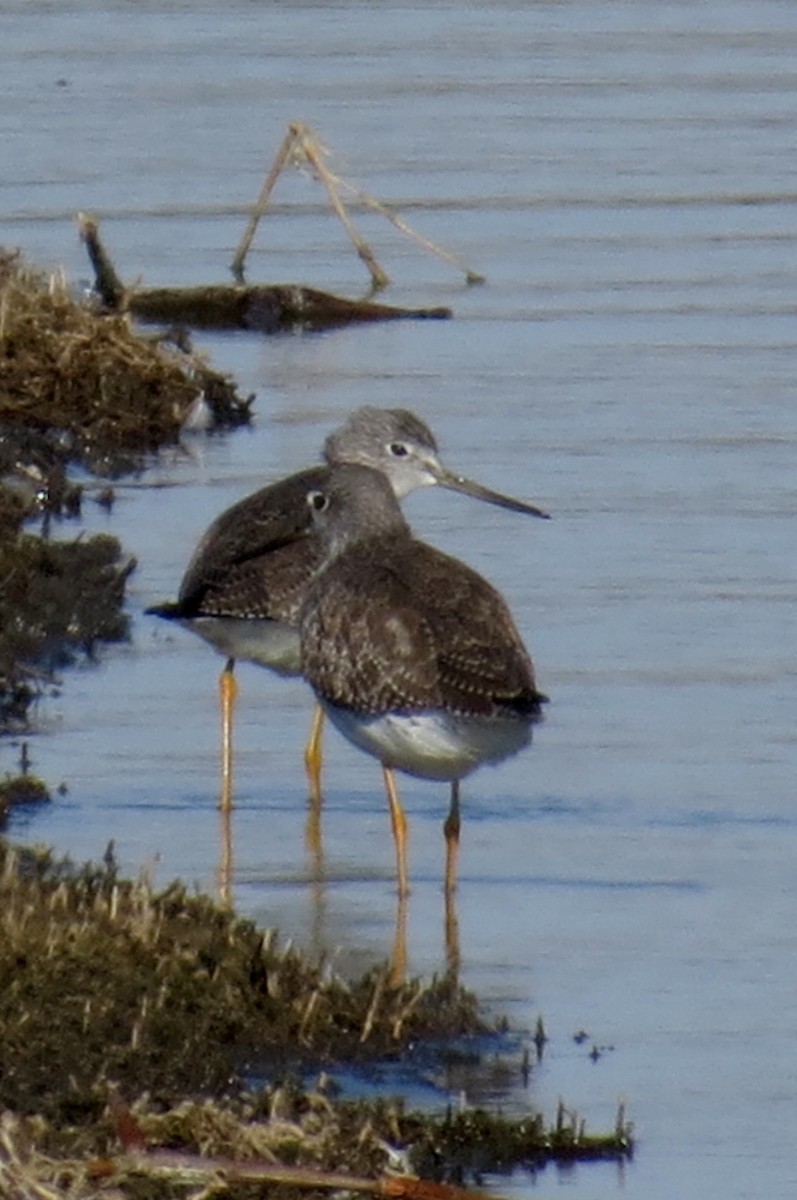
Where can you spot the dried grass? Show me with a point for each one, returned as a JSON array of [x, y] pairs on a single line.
[[109, 394]]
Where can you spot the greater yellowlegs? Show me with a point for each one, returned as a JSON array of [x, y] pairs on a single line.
[[413, 656], [244, 586]]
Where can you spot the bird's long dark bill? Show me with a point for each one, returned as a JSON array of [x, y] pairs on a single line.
[[458, 483]]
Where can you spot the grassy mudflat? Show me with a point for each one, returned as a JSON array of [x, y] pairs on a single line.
[[172, 994], [116, 995]]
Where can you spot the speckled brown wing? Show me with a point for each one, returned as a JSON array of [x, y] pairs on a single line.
[[403, 627], [256, 559], [482, 662]]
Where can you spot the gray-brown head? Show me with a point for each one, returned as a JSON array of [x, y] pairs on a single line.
[[355, 504], [401, 446]]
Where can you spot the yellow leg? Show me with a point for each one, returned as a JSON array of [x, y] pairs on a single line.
[[225, 872], [398, 962], [452, 938], [451, 828], [228, 692], [313, 755], [398, 820]]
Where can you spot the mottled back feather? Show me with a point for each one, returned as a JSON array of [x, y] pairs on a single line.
[[392, 624]]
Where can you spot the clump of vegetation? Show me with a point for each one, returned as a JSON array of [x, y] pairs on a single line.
[[132, 1020], [21, 789], [58, 600], [84, 379], [172, 994], [468, 1144]]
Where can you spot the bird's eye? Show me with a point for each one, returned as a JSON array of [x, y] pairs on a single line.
[[318, 501], [398, 449]]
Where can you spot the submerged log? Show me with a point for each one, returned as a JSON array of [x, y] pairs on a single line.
[[264, 308]]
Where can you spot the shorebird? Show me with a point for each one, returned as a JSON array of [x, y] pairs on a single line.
[[413, 656], [244, 586]]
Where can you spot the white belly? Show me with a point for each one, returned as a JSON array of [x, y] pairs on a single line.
[[268, 643], [432, 745]]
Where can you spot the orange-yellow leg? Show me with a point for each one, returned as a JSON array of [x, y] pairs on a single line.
[[451, 829], [312, 761], [228, 693], [313, 755], [398, 820]]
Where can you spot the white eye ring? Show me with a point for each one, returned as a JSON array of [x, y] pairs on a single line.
[[399, 449], [318, 501]]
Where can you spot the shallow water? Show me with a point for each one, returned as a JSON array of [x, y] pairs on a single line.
[[624, 175]]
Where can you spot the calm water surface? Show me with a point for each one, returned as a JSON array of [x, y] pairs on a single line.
[[624, 175]]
